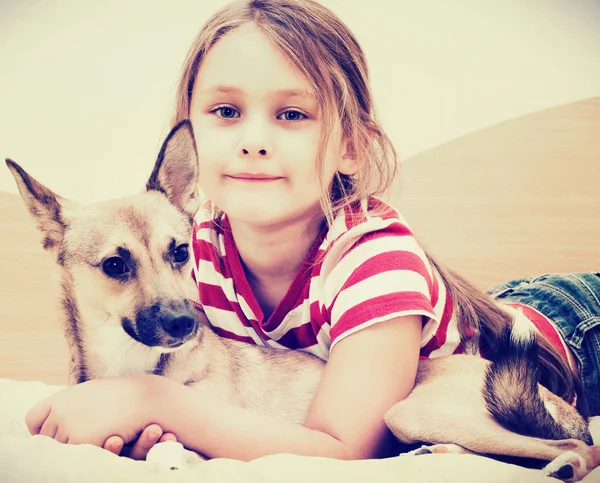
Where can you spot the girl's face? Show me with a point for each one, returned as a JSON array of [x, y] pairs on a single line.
[[257, 129]]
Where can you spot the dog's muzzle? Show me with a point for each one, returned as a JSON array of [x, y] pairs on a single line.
[[168, 324]]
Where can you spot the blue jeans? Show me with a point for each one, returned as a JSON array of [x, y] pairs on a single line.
[[572, 302]]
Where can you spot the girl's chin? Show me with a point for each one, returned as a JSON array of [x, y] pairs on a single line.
[[257, 215], [266, 214]]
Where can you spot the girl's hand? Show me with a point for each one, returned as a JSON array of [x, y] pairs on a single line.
[[152, 435], [93, 411]]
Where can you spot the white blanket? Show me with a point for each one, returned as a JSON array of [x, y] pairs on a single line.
[[27, 459]]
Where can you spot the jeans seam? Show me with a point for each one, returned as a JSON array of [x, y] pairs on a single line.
[[586, 322], [583, 313], [587, 288], [507, 288]]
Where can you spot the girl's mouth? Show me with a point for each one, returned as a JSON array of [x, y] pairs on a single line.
[[255, 177]]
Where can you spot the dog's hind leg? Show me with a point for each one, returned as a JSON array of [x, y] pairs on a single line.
[[572, 466], [438, 449], [568, 467], [413, 420]]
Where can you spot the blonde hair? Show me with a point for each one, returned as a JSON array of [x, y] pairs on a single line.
[[324, 51]]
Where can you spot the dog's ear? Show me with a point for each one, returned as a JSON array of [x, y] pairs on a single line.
[[46, 207], [176, 170]]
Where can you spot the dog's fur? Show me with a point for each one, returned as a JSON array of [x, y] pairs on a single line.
[[143, 321]]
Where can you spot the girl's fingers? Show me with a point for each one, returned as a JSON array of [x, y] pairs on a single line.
[[114, 444], [149, 437], [36, 416], [60, 436], [49, 428], [168, 437]]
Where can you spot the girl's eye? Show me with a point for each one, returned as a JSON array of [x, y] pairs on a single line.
[[226, 112], [292, 115]]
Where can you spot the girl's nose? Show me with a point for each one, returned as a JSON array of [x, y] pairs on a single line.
[[255, 142], [261, 152]]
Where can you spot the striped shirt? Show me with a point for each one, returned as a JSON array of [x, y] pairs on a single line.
[[365, 269]]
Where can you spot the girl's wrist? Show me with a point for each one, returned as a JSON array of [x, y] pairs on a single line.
[[153, 392]]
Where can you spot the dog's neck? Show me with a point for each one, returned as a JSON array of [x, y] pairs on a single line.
[[106, 350], [102, 349], [110, 352]]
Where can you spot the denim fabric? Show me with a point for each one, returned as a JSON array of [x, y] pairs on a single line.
[[572, 302]]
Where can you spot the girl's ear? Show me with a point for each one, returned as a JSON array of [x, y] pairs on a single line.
[[348, 163]]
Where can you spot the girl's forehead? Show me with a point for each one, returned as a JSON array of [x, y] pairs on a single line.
[[247, 60]]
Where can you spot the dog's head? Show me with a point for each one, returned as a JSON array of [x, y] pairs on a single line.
[[126, 263]]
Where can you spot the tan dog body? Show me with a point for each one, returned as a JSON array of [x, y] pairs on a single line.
[[142, 321]]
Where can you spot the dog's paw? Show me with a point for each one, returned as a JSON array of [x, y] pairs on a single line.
[[171, 455], [567, 467], [437, 449]]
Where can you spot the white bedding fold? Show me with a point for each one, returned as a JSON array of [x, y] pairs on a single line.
[[26, 459]]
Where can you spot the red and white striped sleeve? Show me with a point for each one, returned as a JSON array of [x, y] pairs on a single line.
[[383, 275]]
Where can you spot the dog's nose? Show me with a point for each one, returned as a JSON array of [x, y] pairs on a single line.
[[178, 327]]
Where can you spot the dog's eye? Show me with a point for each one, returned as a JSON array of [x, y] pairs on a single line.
[[181, 254], [114, 267]]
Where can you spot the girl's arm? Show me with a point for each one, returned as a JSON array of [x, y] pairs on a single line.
[[367, 373]]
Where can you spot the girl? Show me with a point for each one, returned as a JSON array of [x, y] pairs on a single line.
[[292, 249]]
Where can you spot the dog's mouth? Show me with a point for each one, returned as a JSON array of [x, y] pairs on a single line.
[[174, 344]]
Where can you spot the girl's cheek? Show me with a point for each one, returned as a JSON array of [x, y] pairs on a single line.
[[214, 140]]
